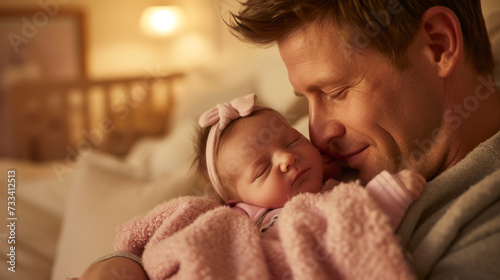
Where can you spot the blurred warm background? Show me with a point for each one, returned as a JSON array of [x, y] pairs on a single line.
[[89, 59], [98, 106]]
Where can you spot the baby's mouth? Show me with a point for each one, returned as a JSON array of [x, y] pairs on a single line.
[[299, 175]]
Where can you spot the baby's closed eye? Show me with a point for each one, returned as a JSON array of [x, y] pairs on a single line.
[[262, 170], [294, 142]]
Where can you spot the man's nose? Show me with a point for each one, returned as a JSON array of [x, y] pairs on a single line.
[[287, 160], [324, 127]]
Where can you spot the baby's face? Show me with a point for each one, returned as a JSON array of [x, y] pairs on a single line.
[[269, 161]]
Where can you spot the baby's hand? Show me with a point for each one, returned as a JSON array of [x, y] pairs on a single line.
[[394, 193], [413, 182]]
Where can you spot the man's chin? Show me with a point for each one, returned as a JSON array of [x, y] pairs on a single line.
[[366, 174], [349, 174]]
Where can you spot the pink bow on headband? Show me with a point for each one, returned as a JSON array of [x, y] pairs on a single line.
[[219, 117], [226, 112]]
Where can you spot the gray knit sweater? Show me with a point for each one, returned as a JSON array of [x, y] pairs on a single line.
[[453, 230]]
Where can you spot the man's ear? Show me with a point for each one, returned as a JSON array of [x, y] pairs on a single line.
[[444, 41]]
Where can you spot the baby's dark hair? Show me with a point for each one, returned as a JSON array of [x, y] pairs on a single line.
[[200, 163]]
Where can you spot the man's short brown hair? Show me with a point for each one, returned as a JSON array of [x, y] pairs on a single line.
[[388, 26]]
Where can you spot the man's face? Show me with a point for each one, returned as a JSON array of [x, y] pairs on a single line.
[[361, 108]]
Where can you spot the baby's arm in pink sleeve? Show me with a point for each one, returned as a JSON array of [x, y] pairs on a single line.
[[395, 193]]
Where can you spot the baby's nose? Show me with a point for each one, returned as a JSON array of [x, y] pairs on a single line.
[[287, 161]]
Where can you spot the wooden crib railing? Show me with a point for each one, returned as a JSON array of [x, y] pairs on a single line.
[[61, 120]]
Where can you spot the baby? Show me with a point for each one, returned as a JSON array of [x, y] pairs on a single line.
[[255, 162]]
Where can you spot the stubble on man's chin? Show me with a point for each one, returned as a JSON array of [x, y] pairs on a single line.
[[368, 173]]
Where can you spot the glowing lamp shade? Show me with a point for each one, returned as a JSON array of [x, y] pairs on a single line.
[[161, 21]]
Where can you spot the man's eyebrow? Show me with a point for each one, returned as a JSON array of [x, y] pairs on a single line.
[[308, 89]]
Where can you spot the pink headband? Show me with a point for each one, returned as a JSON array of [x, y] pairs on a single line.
[[219, 117]]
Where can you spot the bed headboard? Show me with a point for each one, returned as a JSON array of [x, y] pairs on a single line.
[[68, 120]]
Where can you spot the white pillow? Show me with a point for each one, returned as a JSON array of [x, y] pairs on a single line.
[[157, 157], [102, 199]]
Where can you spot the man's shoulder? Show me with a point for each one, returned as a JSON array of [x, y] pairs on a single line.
[[442, 191], [456, 223], [466, 238]]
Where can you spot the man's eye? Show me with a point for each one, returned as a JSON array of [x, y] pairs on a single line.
[[338, 95]]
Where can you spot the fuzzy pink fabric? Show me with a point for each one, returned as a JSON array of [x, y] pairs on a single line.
[[338, 235]]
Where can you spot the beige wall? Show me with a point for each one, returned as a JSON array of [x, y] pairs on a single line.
[[490, 6], [115, 46]]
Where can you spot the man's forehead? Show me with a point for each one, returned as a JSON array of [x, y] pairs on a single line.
[[297, 43], [318, 57]]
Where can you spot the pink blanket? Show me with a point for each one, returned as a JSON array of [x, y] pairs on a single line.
[[338, 235]]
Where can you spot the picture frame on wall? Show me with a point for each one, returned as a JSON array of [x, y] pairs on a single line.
[[45, 45], [42, 45]]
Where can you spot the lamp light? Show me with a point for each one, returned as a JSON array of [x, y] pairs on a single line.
[[162, 21]]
